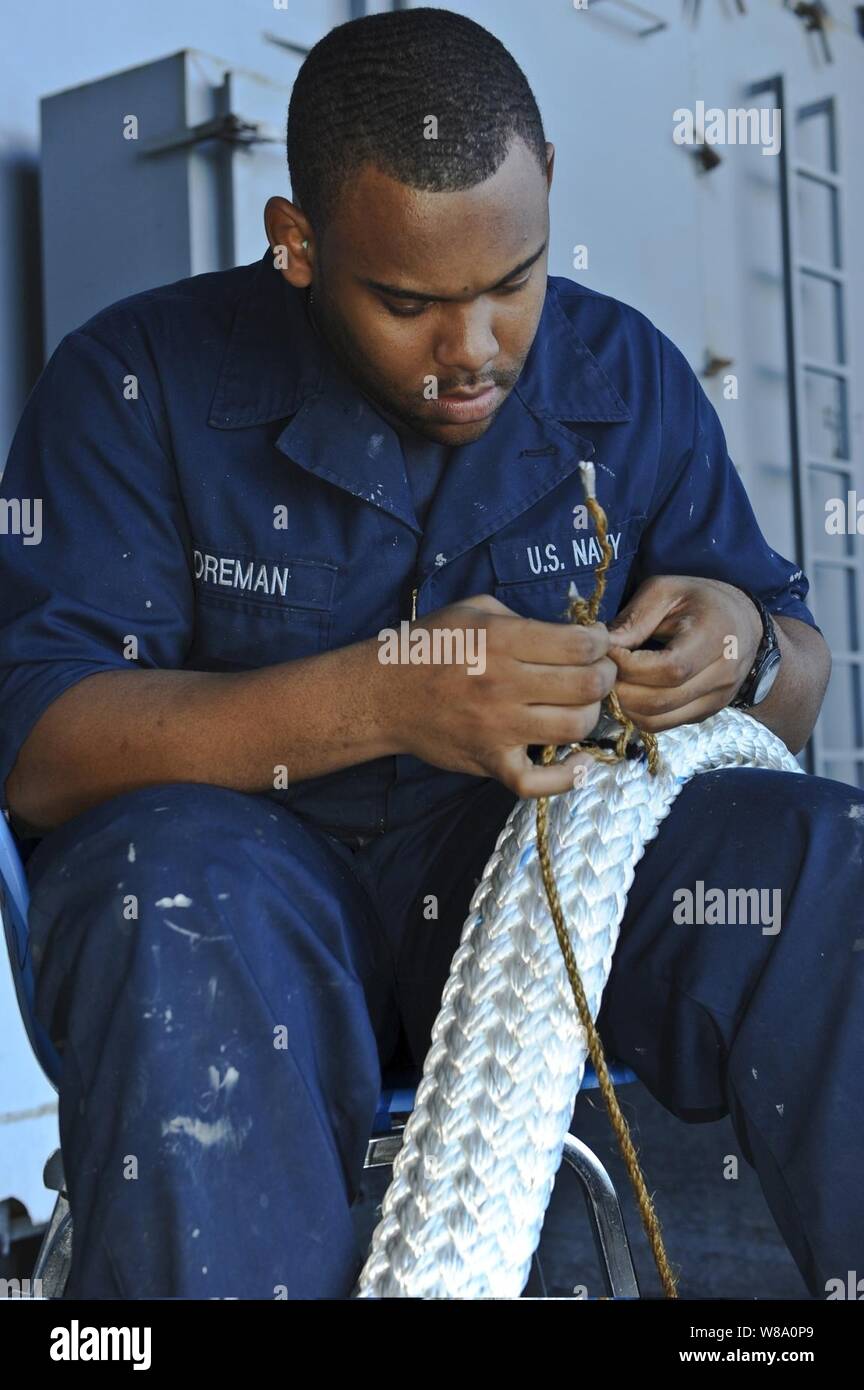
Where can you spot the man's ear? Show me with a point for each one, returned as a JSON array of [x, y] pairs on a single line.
[[289, 233], [550, 163]]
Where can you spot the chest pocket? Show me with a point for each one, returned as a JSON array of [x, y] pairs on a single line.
[[253, 611], [533, 573]]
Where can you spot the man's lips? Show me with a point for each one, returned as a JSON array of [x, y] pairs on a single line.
[[464, 393], [462, 404]]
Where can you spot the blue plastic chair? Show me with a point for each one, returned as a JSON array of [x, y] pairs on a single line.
[[394, 1107], [55, 1254], [400, 1088], [14, 905]]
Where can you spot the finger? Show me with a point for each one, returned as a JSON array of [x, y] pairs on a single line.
[[555, 723], [692, 713], [640, 618], [564, 685], [533, 640], [690, 651], [529, 780], [643, 701], [557, 644]]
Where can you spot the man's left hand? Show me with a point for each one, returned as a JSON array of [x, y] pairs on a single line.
[[712, 632]]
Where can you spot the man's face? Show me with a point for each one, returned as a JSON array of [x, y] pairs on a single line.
[[417, 292]]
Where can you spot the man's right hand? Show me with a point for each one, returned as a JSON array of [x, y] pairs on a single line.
[[542, 683]]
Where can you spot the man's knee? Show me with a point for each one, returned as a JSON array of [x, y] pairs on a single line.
[[118, 866], [757, 807], [152, 825]]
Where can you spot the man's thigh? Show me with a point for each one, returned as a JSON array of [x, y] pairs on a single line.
[[738, 968]]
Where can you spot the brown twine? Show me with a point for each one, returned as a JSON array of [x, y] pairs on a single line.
[[584, 611]]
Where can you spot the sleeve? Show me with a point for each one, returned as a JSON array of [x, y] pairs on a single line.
[[700, 521], [94, 556]]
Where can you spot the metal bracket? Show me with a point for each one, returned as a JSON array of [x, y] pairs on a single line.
[[654, 25], [695, 7], [816, 19], [299, 48], [715, 364], [229, 128]]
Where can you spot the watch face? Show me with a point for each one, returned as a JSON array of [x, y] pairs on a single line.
[[767, 677]]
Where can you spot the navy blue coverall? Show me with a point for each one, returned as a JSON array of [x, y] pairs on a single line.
[[214, 484]]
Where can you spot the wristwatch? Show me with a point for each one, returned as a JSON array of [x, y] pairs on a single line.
[[766, 664]]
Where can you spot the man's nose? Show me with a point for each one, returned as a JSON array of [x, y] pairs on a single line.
[[467, 346]]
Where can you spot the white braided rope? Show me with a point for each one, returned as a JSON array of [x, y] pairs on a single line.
[[464, 1210]]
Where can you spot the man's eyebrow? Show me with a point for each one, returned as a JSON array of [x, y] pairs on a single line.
[[396, 293]]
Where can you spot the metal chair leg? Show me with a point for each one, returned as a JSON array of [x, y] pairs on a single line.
[[55, 1253], [381, 1152], [605, 1218], [601, 1201]]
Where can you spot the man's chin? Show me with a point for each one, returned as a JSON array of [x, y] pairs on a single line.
[[455, 433]]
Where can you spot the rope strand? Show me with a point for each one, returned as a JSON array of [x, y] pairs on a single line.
[[583, 612]]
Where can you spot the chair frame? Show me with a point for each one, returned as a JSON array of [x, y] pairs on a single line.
[[605, 1217]]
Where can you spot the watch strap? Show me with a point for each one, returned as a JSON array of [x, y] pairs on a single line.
[[769, 644]]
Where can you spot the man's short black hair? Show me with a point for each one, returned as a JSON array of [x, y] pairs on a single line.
[[366, 89]]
